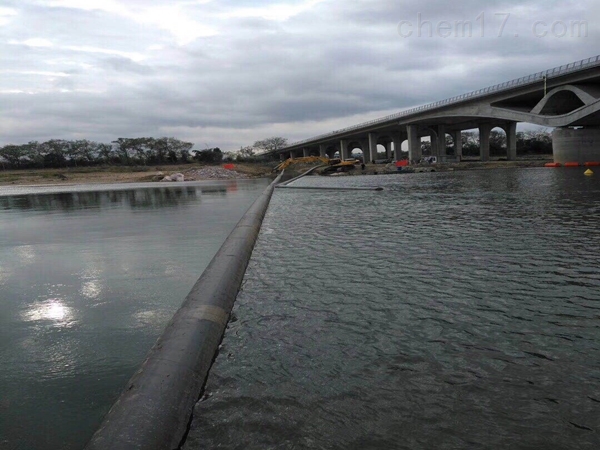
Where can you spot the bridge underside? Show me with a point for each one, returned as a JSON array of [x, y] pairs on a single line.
[[570, 105]]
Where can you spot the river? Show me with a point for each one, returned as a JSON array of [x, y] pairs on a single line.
[[449, 311], [89, 277]]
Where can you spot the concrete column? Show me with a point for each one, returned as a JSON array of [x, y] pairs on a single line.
[[344, 149], [414, 143], [441, 131], [457, 138], [364, 146], [484, 141], [434, 144], [388, 150], [281, 157], [397, 146], [511, 141], [305, 152], [291, 155], [372, 146], [323, 151], [336, 148]]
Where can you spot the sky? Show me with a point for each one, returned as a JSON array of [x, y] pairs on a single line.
[[224, 73]]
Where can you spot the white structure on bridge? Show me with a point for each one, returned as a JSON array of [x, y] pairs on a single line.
[[566, 98]]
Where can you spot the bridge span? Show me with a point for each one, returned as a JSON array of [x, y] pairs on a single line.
[[566, 98]]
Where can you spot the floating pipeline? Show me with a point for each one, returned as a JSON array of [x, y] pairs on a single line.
[[155, 410]]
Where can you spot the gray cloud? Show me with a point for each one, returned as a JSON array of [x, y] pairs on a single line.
[[228, 73]]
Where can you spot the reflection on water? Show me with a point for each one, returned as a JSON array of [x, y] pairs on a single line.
[[88, 280], [133, 199], [90, 289], [52, 309]]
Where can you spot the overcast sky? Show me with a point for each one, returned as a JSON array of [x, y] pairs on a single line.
[[226, 73]]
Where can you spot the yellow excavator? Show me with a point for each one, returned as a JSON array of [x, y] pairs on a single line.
[[334, 164]]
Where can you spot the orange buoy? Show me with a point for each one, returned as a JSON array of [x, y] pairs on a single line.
[[552, 165], [592, 164], [572, 164]]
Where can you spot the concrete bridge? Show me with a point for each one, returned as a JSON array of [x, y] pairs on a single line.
[[566, 98]]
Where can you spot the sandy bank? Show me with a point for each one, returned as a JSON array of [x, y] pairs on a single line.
[[114, 174]]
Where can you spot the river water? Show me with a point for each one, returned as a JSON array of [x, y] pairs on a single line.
[[89, 277], [449, 311]]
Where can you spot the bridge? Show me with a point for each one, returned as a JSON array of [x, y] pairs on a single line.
[[566, 98]]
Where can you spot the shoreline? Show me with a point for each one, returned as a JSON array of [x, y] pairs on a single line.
[[196, 172], [127, 174]]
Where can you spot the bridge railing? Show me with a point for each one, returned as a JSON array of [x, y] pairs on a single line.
[[518, 82]]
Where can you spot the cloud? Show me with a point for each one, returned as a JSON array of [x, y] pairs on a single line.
[[228, 73]]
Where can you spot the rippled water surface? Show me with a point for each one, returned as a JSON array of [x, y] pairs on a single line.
[[449, 311], [89, 276]]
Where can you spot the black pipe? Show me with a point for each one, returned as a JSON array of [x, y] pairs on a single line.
[[156, 407]]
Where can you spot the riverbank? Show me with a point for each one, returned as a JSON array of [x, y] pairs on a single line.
[[133, 174], [374, 169], [195, 172]]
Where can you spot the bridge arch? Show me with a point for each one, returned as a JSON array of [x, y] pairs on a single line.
[[450, 144], [566, 99], [498, 141], [357, 148]]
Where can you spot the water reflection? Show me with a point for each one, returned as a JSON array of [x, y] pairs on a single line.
[[91, 289], [134, 199], [88, 280], [25, 254], [53, 309]]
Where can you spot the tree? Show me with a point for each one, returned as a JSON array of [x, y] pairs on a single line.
[[210, 155], [538, 142], [105, 153], [270, 144], [470, 143], [246, 152], [426, 147], [449, 145], [497, 143], [13, 154]]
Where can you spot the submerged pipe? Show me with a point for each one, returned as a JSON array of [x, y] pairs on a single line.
[[325, 188], [156, 407], [321, 188]]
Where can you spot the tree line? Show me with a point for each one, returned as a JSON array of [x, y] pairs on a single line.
[[58, 153], [528, 142]]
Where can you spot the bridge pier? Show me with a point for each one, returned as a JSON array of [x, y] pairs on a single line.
[[457, 138], [364, 146], [576, 145], [484, 141], [388, 150], [511, 141], [397, 139], [344, 149], [372, 146], [414, 143], [441, 140], [305, 152]]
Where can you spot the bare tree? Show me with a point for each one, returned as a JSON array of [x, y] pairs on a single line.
[[270, 144]]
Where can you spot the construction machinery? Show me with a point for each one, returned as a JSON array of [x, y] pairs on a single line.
[[334, 165], [305, 160]]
